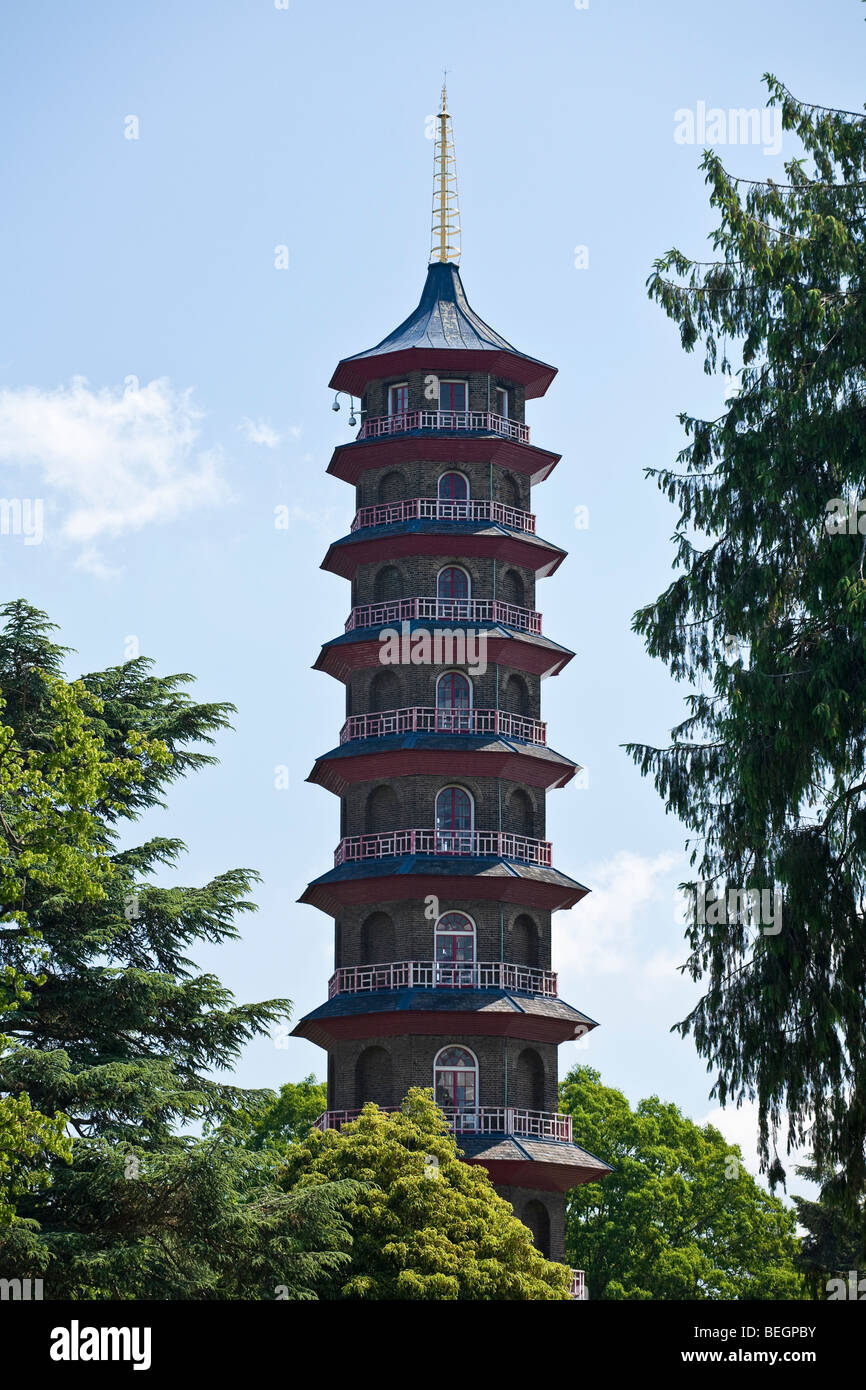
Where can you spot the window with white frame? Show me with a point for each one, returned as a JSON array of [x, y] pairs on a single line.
[[454, 948], [455, 1079]]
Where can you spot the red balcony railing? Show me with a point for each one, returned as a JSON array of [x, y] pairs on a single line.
[[435, 974], [443, 509], [578, 1284], [449, 421], [492, 844], [484, 1119], [428, 720], [453, 610]]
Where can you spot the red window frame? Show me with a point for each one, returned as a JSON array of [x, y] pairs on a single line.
[[453, 487], [452, 584], [448, 393]]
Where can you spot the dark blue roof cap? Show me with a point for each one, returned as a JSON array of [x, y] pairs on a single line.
[[444, 321]]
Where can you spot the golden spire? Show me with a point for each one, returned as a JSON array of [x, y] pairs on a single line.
[[445, 244]]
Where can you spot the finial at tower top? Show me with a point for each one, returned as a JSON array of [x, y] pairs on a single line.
[[445, 241]]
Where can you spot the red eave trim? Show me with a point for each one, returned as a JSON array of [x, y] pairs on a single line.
[[353, 373], [340, 661], [436, 1023], [335, 774], [540, 556], [546, 1176], [333, 898], [350, 461]]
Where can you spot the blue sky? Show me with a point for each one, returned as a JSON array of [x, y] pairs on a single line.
[[148, 341]]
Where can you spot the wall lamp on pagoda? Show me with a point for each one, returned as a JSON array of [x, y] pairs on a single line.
[[336, 406]]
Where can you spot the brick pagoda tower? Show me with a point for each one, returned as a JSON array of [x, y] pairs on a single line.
[[443, 883]]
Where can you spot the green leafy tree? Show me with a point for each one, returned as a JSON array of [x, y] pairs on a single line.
[[119, 1035], [273, 1121], [766, 620], [424, 1225], [679, 1217]]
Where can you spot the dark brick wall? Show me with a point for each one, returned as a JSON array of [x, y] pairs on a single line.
[[391, 1065], [408, 803], [526, 1202], [416, 577], [409, 686], [502, 932], [420, 478], [423, 394]]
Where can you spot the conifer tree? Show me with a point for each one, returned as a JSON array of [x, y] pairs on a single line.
[[765, 620], [117, 1033]]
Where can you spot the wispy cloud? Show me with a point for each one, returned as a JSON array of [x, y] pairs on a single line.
[[262, 432], [607, 932], [119, 459]]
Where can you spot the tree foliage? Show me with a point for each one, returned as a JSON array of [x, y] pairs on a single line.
[[834, 1236], [420, 1230], [766, 620], [116, 1035], [679, 1217], [272, 1121]]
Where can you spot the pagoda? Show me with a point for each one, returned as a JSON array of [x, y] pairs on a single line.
[[443, 883]]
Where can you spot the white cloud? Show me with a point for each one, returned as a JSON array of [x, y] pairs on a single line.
[[260, 432], [120, 459], [739, 1125], [602, 934], [91, 562]]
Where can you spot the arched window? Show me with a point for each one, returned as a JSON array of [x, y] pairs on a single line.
[[455, 1077], [391, 488], [374, 1077], [377, 939], [536, 1216], [529, 1080], [519, 815], [381, 812], [454, 489], [508, 490], [512, 588], [454, 821], [453, 703], [524, 941], [386, 584], [385, 691], [516, 696], [455, 950], [452, 592]]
